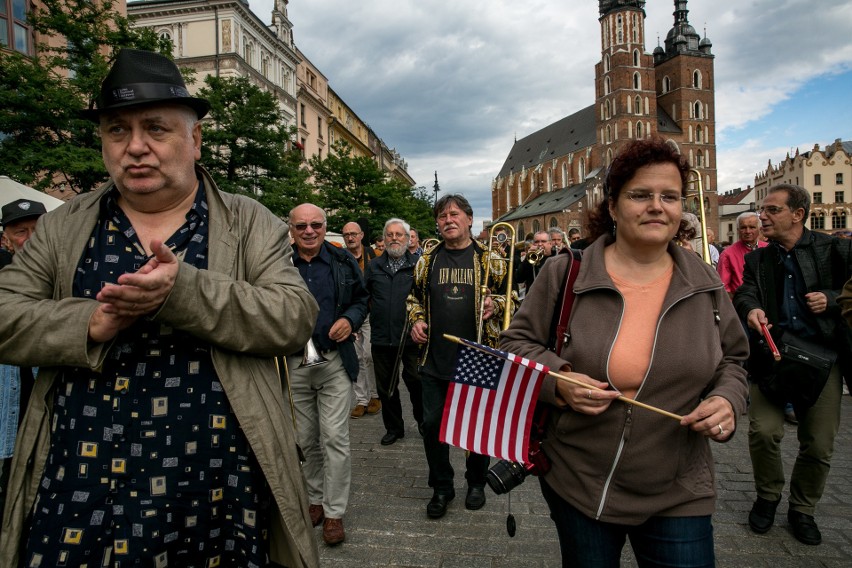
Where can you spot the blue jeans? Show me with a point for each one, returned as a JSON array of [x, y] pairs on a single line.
[[685, 542]]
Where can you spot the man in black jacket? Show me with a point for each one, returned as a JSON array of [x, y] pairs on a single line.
[[388, 280], [322, 393], [792, 286]]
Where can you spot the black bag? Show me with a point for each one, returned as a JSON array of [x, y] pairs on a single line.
[[800, 375]]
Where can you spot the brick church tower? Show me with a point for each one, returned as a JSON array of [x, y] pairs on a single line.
[[668, 93], [552, 176]]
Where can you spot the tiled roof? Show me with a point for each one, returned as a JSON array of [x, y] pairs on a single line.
[[551, 202], [572, 133]]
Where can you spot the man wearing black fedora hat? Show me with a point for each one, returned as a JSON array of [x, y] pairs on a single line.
[[155, 306], [18, 219]]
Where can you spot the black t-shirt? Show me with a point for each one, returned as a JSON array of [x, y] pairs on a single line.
[[452, 302]]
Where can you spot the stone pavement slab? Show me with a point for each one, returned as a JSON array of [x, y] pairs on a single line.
[[386, 524]]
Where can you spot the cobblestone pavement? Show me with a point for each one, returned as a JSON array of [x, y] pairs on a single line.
[[386, 524]]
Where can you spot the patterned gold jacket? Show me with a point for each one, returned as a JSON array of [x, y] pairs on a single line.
[[418, 307]]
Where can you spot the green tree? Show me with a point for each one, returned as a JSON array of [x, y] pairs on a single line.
[[44, 142], [351, 187], [246, 147]]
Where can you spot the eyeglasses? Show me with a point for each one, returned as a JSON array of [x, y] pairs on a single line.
[[395, 236], [771, 209], [646, 196], [351, 235], [316, 226]]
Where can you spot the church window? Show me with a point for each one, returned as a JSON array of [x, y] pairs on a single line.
[[581, 170], [608, 134], [639, 129], [635, 58], [619, 29], [635, 29], [606, 109], [637, 81], [698, 110], [638, 109], [667, 84], [606, 63], [698, 135], [564, 174], [696, 79], [607, 86]]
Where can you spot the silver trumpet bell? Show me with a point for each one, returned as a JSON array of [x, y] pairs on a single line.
[[312, 357]]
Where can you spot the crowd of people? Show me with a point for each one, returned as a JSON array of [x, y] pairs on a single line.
[[180, 367]]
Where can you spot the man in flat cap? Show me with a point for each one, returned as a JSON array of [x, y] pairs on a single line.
[[18, 220], [155, 306]]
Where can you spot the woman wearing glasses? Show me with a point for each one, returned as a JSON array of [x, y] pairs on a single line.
[[652, 322]]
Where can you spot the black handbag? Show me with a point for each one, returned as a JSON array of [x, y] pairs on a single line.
[[800, 375]]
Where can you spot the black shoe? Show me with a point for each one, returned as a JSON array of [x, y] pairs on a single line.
[[762, 515], [390, 438], [475, 498], [804, 528], [437, 507]]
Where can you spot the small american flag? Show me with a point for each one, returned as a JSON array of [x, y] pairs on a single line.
[[490, 402]]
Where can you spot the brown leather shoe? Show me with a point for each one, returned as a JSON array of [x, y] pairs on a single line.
[[374, 406], [358, 411], [332, 531], [317, 514]]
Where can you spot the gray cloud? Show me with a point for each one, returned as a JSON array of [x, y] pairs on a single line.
[[450, 84]]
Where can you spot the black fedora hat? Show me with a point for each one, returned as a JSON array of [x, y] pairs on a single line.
[[141, 77]]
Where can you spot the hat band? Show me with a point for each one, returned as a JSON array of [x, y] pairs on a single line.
[[141, 92]]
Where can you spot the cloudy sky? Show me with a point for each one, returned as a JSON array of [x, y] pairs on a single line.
[[451, 83]]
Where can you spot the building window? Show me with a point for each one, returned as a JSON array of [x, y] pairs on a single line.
[[606, 109], [635, 58], [838, 179], [15, 31], [696, 79], [817, 179], [638, 103], [319, 127], [304, 122], [553, 223], [637, 81], [698, 110], [838, 220], [304, 142], [564, 174], [639, 129], [581, 170], [606, 63], [521, 230], [607, 86], [635, 31], [619, 29], [817, 197], [817, 221], [667, 84], [838, 197]]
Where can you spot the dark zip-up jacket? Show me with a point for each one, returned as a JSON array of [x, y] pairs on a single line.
[[388, 292], [350, 301]]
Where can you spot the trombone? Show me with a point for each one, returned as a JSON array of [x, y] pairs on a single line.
[[694, 179], [429, 245], [497, 242]]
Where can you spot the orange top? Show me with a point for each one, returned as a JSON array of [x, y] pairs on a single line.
[[631, 353]]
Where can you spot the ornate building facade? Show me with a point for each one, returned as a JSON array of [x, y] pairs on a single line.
[[827, 175], [225, 38], [552, 176]]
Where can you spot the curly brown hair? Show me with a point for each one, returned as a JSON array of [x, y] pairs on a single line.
[[635, 155]]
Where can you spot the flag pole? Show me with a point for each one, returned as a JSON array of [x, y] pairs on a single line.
[[624, 399]]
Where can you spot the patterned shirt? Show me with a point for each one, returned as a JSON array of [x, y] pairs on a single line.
[[147, 465]]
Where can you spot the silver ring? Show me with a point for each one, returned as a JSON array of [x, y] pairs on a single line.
[[721, 430], [590, 394]]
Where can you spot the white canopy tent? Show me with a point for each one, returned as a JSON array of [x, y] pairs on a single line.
[[10, 190]]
